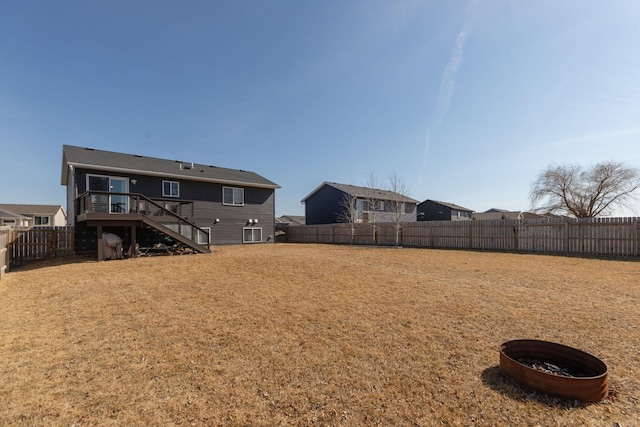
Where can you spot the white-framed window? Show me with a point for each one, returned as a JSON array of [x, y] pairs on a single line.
[[170, 189], [233, 196], [41, 220], [202, 238], [380, 205], [251, 235]]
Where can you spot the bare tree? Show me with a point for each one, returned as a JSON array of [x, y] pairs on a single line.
[[372, 202], [570, 190], [348, 213], [397, 204]]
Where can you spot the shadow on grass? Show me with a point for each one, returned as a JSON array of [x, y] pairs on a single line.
[[37, 264], [494, 379]]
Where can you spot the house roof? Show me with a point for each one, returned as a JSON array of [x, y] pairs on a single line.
[[291, 219], [449, 205], [110, 161], [498, 214], [363, 192], [7, 214], [493, 214], [31, 209]]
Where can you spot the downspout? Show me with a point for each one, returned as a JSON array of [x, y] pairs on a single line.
[[71, 197]]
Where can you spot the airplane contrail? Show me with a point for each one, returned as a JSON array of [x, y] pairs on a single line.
[[447, 86]]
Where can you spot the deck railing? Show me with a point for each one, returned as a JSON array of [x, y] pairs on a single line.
[[170, 213]]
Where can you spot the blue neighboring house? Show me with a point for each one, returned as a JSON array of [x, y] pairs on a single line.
[[326, 204]]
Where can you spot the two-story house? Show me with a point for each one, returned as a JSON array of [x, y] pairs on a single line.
[[332, 203], [141, 199]]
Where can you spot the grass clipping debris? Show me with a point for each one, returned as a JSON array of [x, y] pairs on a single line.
[[309, 334]]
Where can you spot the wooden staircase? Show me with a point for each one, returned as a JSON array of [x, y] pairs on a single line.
[[100, 208], [159, 227]]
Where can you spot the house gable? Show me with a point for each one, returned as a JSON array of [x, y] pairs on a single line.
[[433, 210]]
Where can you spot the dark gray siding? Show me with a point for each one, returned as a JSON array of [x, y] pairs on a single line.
[[324, 206], [433, 211], [259, 203]]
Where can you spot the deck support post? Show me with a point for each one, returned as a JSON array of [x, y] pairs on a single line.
[[100, 245], [132, 249]]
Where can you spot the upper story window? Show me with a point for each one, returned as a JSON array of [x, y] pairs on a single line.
[[233, 196], [41, 220], [170, 188]]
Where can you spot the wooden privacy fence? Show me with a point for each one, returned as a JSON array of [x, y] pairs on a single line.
[[24, 245], [590, 236]]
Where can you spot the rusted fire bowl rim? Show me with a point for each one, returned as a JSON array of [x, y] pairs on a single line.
[[592, 387]]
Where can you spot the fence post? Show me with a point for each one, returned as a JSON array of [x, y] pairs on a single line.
[[53, 244], [636, 243], [4, 256]]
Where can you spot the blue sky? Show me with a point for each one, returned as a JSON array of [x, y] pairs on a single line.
[[466, 100]]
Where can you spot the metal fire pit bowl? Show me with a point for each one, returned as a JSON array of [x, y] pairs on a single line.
[[591, 385]]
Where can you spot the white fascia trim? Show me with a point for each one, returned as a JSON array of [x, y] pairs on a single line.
[[170, 175]]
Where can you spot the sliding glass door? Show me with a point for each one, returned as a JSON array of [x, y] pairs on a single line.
[[109, 203]]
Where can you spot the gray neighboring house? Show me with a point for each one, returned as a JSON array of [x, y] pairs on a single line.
[[326, 203], [284, 222], [143, 199], [27, 215], [291, 220], [433, 210], [502, 214]]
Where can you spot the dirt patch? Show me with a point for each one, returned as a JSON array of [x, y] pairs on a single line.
[[309, 334]]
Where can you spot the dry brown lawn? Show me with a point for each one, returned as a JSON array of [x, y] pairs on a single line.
[[309, 335]]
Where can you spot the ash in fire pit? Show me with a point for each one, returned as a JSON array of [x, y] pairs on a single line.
[[554, 368]]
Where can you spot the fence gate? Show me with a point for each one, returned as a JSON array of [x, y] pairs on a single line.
[[25, 245]]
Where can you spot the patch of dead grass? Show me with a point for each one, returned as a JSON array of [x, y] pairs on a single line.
[[309, 334]]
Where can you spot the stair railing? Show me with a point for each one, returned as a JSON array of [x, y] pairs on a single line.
[[167, 212]]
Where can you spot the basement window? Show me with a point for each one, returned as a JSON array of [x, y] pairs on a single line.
[[251, 235], [203, 238]]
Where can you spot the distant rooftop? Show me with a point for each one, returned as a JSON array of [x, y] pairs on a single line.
[[23, 209]]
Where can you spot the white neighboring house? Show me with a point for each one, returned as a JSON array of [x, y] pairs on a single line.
[[14, 215], [11, 219]]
